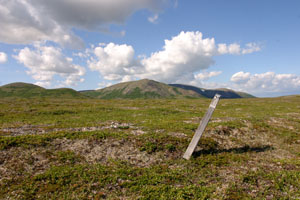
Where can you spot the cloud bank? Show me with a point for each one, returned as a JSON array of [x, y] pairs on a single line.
[[45, 62], [27, 21], [265, 83], [180, 58]]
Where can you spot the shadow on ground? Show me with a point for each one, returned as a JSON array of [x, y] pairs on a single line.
[[237, 150]]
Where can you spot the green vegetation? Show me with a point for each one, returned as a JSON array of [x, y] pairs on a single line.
[[210, 93], [25, 90], [136, 93], [83, 148], [142, 89], [245, 95]]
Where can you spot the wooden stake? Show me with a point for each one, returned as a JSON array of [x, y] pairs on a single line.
[[191, 148]]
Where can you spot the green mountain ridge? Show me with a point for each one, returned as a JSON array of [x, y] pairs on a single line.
[[210, 93], [141, 89], [144, 89], [27, 90]]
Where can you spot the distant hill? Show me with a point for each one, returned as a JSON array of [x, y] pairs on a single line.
[[141, 89], [245, 95], [144, 88], [27, 90], [210, 93]]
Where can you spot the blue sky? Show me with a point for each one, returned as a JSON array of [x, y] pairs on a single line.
[[249, 45]]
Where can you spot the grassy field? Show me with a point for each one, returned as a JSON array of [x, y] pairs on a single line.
[[132, 149]]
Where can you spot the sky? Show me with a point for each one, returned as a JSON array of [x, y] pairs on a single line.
[[249, 45]]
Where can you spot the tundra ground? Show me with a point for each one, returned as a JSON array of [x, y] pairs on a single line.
[[132, 149]]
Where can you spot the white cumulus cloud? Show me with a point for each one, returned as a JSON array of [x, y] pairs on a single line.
[[207, 75], [268, 82], [26, 21], [114, 61], [250, 48], [3, 57], [184, 54], [241, 77], [44, 62], [237, 50], [201, 80], [180, 60]]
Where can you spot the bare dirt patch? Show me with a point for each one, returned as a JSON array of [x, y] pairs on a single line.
[[102, 151], [280, 122], [179, 135], [293, 114], [18, 161], [138, 132], [37, 130], [197, 120], [25, 130], [229, 137], [224, 119], [193, 120]]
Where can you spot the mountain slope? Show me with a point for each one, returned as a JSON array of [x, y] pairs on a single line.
[[142, 89], [245, 95], [27, 90], [210, 93]]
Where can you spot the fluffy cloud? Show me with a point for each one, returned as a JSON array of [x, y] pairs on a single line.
[[240, 77], [201, 80], [268, 82], [179, 60], [25, 21], [207, 75], [44, 62], [237, 50], [184, 54], [114, 62], [3, 57], [250, 48]]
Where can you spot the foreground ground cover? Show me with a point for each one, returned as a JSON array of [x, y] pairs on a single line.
[[132, 149]]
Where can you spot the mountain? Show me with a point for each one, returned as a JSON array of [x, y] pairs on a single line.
[[144, 88], [27, 90], [210, 93]]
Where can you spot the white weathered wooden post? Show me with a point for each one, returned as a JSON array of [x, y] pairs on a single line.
[[189, 151]]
